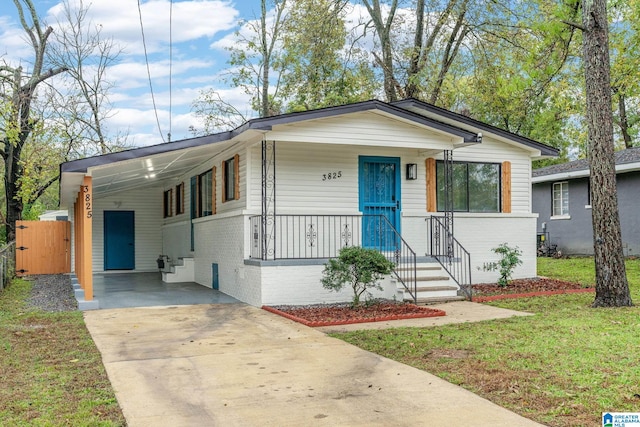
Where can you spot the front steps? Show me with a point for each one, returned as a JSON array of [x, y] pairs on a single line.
[[434, 285], [183, 272]]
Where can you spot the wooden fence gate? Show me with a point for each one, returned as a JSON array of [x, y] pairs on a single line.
[[43, 247]]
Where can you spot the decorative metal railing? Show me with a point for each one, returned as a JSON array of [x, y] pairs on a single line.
[[276, 237], [7, 263], [451, 255]]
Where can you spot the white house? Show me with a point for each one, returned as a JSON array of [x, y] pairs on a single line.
[[255, 212]]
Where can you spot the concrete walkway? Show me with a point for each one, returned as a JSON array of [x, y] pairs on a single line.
[[236, 365]]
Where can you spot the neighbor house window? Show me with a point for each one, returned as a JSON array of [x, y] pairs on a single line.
[[231, 179], [560, 199], [180, 198], [476, 187], [205, 194], [167, 203]]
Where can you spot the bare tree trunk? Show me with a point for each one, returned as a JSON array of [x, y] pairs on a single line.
[[412, 89], [20, 122], [383, 28], [612, 289], [624, 121]]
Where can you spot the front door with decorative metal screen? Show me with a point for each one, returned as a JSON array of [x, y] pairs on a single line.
[[379, 182]]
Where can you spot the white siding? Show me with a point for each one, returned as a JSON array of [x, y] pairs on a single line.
[[176, 240], [365, 128], [300, 187], [147, 206]]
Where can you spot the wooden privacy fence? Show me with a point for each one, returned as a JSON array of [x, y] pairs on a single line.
[[43, 247]]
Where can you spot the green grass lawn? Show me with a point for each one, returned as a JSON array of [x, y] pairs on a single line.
[[51, 373], [562, 367]]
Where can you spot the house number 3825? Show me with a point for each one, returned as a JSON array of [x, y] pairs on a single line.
[[331, 175]]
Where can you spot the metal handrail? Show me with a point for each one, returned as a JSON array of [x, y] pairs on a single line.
[[322, 236], [451, 255]]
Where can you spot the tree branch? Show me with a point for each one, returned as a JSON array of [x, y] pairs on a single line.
[[574, 25], [40, 191]]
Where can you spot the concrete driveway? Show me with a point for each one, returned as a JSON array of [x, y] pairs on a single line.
[[236, 365]]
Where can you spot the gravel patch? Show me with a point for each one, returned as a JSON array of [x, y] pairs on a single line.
[[52, 293]]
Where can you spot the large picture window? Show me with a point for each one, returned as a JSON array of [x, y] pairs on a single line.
[[205, 194], [560, 199], [476, 187]]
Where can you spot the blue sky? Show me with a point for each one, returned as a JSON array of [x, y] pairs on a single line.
[[200, 30]]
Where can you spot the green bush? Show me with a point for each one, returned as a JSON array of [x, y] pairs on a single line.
[[509, 259], [359, 267]]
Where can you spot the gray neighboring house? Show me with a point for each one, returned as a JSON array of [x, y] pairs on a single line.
[[560, 197]]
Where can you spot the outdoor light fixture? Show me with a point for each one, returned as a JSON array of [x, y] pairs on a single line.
[[412, 171]]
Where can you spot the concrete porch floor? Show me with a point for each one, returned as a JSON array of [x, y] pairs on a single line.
[[124, 290]]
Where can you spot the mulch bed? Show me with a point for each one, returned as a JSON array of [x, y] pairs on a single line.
[[343, 314], [524, 288]]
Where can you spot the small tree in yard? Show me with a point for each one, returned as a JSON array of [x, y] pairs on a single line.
[[509, 259], [359, 267]]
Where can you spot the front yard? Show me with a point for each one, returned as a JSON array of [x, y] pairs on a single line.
[[562, 367], [50, 370]]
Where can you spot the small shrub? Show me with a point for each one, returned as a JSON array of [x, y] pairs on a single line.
[[359, 267], [509, 260]]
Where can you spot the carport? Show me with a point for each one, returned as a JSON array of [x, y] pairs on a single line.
[[122, 290]]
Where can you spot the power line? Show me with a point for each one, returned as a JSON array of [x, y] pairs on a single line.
[[146, 59], [170, 65]]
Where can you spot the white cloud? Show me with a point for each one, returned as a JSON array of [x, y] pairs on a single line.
[[190, 20]]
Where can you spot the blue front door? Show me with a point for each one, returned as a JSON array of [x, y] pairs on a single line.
[[379, 181], [119, 249]]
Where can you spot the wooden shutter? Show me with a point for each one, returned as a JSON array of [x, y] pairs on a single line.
[[506, 187], [432, 205], [236, 176]]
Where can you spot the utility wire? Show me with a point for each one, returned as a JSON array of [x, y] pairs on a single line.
[[170, 64], [146, 58]]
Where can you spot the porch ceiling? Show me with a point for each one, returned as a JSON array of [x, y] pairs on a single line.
[[139, 172]]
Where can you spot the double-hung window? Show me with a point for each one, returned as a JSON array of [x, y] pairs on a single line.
[[560, 199], [167, 202], [231, 179], [205, 193], [180, 198], [476, 187]]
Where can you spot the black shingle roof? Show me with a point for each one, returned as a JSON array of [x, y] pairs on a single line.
[[630, 155]]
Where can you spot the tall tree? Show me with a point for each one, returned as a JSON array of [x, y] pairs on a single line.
[[612, 289], [522, 77], [55, 109], [624, 40], [256, 67], [18, 121], [321, 71], [81, 100], [419, 68], [383, 26]]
